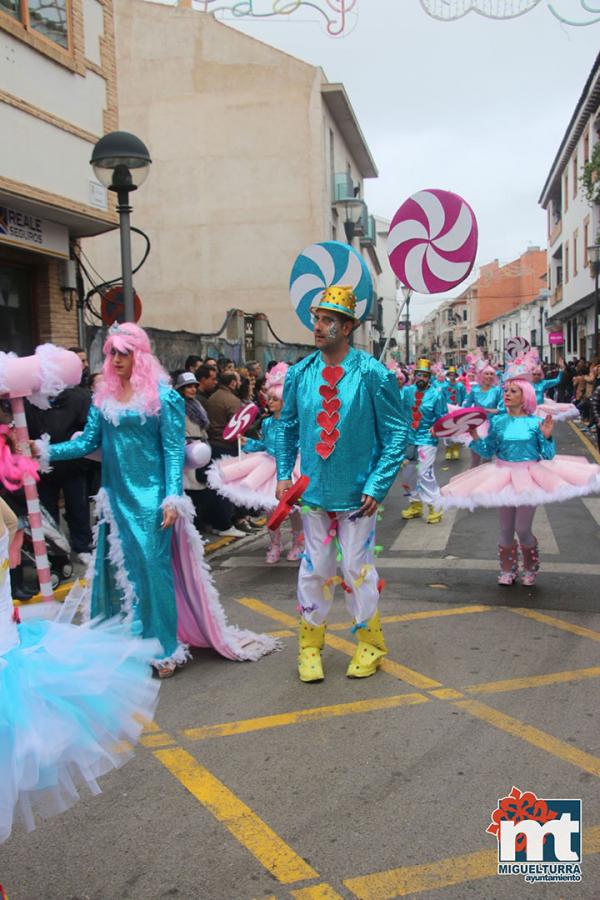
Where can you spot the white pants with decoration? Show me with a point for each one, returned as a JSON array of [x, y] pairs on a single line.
[[419, 476], [333, 540]]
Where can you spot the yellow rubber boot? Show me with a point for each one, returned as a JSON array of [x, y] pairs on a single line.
[[448, 454], [414, 511], [456, 451], [435, 516], [370, 650], [310, 640]]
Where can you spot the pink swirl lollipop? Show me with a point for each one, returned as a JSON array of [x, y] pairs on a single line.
[[432, 242], [240, 422], [459, 421]]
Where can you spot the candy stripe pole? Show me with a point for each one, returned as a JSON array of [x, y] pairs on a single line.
[[33, 504]]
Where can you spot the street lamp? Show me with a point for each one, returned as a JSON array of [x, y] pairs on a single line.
[[594, 257], [352, 227], [121, 163]]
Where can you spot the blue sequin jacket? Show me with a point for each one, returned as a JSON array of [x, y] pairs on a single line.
[[367, 453], [515, 439], [432, 407]]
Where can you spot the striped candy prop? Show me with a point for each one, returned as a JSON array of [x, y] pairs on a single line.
[[45, 374], [432, 241], [517, 346], [323, 265]]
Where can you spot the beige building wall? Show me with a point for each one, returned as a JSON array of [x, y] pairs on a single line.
[[239, 134]]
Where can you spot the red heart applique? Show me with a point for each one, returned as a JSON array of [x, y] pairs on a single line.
[[324, 451], [327, 422], [327, 392], [331, 406], [332, 374], [330, 439], [415, 422]]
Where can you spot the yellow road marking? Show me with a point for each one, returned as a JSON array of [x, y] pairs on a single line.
[[244, 726], [585, 441], [60, 594], [557, 623], [216, 545], [416, 679], [417, 616], [147, 724], [442, 873], [284, 633], [316, 892], [254, 834], [534, 736], [446, 694], [156, 740], [533, 681]]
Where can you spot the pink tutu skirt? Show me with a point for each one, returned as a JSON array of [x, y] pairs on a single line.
[[558, 411], [247, 480], [500, 483]]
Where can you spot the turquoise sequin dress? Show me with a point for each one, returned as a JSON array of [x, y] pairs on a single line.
[[142, 466]]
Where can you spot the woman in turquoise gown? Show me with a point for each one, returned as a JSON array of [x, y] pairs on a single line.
[[138, 422]]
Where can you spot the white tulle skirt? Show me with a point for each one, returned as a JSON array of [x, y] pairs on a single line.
[[73, 700], [247, 480], [533, 483]]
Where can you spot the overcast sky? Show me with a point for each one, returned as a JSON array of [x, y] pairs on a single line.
[[475, 106]]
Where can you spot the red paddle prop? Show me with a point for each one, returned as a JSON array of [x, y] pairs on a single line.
[[459, 421], [287, 503]]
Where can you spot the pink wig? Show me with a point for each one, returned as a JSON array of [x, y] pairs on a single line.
[[482, 369], [146, 375], [274, 380], [528, 392]]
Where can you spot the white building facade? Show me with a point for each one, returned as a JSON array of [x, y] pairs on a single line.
[[573, 225]]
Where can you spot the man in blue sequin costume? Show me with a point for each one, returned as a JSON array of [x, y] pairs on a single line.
[[421, 405], [341, 407]]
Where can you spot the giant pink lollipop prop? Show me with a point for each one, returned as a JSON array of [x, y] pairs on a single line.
[[48, 372], [432, 241]]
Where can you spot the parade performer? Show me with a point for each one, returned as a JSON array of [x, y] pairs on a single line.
[[421, 404], [486, 392], [73, 700], [546, 405], [251, 480], [341, 407], [526, 473], [155, 577], [455, 393]]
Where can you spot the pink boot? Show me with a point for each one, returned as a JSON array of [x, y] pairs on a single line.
[[297, 548], [531, 564], [274, 551], [509, 564]]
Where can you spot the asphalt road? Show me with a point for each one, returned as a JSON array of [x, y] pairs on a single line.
[[253, 785]]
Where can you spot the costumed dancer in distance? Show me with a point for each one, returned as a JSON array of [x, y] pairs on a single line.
[[73, 699], [341, 407], [526, 473], [546, 405], [487, 393], [421, 404], [251, 480], [152, 574], [455, 393]]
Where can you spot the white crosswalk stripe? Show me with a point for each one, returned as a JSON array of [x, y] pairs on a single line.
[[418, 535], [593, 505]]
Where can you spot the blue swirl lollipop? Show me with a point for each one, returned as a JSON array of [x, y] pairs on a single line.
[[323, 265]]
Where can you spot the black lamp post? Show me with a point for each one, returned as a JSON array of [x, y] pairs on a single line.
[[594, 257], [121, 163]]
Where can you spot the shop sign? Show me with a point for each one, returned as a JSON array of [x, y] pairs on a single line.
[[556, 338], [23, 229]]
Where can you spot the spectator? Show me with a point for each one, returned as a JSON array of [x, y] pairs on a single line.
[[93, 466], [67, 414], [224, 364], [196, 429], [254, 368], [595, 412], [211, 362], [206, 377], [192, 363], [85, 370]]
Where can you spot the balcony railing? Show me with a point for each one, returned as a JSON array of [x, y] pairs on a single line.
[[370, 235], [343, 187], [556, 295]]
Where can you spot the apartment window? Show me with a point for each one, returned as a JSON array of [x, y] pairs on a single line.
[[49, 18], [566, 262], [586, 241], [464, 315], [575, 175], [575, 236], [586, 147], [566, 191]]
